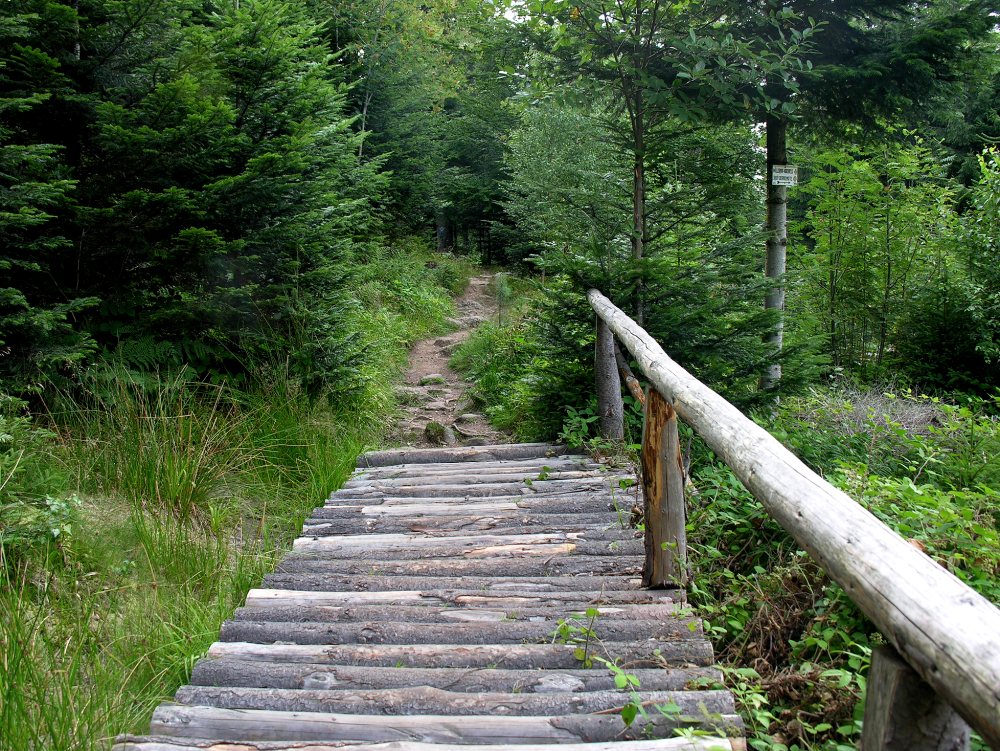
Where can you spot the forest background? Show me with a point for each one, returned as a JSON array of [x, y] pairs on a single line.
[[221, 226]]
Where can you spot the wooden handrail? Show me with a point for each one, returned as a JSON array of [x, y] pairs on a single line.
[[946, 631]]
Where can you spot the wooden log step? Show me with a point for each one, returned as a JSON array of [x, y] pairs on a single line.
[[461, 454], [497, 548], [524, 486], [229, 671], [368, 583], [451, 614], [609, 530], [410, 540], [595, 565], [516, 632], [420, 507], [257, 598], [648, 653], [434, 701], [508, 493], [602, 498], [604, 524], [569, 462], [241, 725], [534, 474], [163, 743], [451, 522]]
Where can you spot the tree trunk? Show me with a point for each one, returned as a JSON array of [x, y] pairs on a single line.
[[639, 205], [444, 241], [777, 245], [366, 102]]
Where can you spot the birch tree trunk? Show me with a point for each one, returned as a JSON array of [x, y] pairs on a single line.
[[777, 245]]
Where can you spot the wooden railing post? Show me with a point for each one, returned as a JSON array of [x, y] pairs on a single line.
[[611, 410], [903, 713], [663, 490]]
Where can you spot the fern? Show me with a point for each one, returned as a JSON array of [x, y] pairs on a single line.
[[145, 353]]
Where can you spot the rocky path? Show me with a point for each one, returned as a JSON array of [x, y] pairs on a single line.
[[436, 410]]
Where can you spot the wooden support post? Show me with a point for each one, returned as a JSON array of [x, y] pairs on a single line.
[[610, 407], [905, 714], [663, 489], [628, 376]]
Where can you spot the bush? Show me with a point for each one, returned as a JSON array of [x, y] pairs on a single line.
[[34, 508]]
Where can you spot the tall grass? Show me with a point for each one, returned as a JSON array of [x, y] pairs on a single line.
[[188, 493], [136, 515]]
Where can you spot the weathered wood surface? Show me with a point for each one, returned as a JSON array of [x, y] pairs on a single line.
[[553, 471], [579, 564], [461, 454], [274, 725], [903, 713], [702, 743], [515, 467], [432, 524], [525, 486], [945, 630], [440, 633], [457, 598], [415, 508], [419, 700], [454, 613], [434, 625], [373, 583], [232, 671], [649, 653], [390, 525], [398, 547], [663, 491]]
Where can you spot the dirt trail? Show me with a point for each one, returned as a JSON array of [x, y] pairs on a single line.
[[436, 409]]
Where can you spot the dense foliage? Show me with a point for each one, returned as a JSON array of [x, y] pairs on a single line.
[[216, 223]]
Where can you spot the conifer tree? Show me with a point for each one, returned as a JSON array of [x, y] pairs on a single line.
[[37, 338]]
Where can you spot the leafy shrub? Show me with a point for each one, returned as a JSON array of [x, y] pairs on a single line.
[[34, 509]]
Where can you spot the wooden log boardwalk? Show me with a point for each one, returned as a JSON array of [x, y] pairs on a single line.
[[449, 598]]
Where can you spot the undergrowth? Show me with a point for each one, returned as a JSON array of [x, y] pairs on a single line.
[[796, 646], [138, 508]]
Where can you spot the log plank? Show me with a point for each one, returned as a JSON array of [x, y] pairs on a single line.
[[461, 454], [372, 583], [455, 597], [608, 529], [153, 743], [229, 671], [513, 519], [497, 546], [563, 566], [201, 722], [649, 653], [584, 503], [424, 700], [429, 614], [472, 632], [542, 474]]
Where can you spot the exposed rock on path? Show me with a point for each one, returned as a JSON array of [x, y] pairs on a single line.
[[433, 398]]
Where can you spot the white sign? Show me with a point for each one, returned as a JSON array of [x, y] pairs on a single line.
[[784, 174]]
